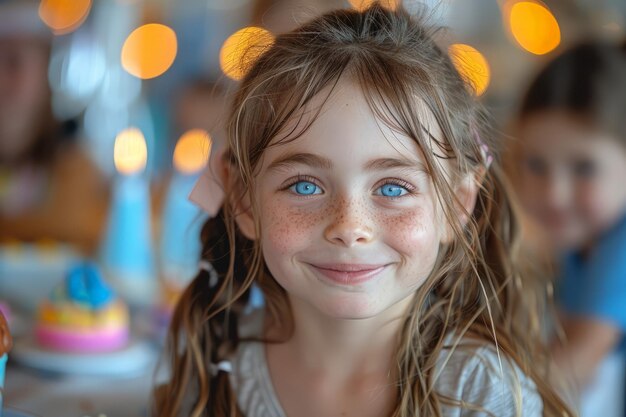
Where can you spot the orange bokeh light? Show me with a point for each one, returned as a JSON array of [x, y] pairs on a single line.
[[533, 26], [472, 66], [149, 50], [130, 152], [242, 49], [64, 16], [192, 151]]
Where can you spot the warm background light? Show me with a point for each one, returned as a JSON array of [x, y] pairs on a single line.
[[64, 16], [472, 66], [192, 151], [364, 4], [242, 48], [534, 27], [149, 50], [130, 152]]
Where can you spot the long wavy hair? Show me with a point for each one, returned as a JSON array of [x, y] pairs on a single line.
[[475, 289]]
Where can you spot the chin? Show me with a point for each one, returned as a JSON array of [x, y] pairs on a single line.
[[358, 308], [349, 312], [341, 307]]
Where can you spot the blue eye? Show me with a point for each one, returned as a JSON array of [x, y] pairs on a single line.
[[305, 188], [391, 190]]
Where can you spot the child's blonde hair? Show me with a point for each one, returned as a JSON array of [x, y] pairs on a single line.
[[474, 290]]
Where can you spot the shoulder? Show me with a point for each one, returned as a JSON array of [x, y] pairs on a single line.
[[596, 286], [249, 376], [608, 252], [485, 379], [248, 357]]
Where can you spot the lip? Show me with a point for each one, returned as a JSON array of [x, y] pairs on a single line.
[[349, 274]]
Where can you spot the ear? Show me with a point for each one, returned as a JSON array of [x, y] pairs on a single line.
[[466, 193], [244, 217]]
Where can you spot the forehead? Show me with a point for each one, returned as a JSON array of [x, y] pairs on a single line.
[[343, 119], [564, 135]]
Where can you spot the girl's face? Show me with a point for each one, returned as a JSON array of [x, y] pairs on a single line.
[[573, 178], [350, 223]]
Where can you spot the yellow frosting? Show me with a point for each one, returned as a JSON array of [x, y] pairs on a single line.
[[76, 316]]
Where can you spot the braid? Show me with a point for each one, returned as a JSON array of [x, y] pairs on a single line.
[[205, 323]]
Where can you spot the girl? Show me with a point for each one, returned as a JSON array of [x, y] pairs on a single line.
[[573, 165], [361, 200]]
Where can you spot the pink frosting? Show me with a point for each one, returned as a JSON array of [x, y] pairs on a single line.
[[76, 341]]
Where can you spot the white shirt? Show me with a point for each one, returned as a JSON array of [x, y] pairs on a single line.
[[474, 375]]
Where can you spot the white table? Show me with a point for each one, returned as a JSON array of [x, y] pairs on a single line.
[[48, 395]]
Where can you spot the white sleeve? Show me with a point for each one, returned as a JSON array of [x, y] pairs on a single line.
[[489, 385]]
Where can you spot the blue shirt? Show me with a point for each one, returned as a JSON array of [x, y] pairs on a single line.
[[595, 286]]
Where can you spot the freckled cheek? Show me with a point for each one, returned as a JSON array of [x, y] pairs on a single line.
[[413, 234], [287, 229]]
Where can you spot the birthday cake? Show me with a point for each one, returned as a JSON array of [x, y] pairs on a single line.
[[82, 314]]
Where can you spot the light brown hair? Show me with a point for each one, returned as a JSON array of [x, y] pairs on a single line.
[[475, 290]]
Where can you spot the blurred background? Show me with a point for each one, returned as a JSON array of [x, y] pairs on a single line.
[[110, 110], [81, 72]]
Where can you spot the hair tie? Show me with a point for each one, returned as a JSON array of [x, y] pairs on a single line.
[[224, 366], [484, 149], [208, 267]]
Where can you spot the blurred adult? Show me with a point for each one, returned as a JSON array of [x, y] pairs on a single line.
[[49, 188]]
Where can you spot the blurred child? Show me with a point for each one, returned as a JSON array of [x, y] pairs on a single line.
[[362, 199], [572, 128]]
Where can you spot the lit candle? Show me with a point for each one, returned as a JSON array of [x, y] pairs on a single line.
[[127, 253], [182, 220]]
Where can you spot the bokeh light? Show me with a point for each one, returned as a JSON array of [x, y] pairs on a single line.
[[130, 152], [64, 16], [533, 26], [242, 49], [149, 50], [364, 4], [192, 151], [76, 72], [472, 66]]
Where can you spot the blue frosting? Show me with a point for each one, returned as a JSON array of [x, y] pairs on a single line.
[[85, 285]]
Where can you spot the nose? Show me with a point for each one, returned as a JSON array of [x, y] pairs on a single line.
[[558, 191], [350, 225]]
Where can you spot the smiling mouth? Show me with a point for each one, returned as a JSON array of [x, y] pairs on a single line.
[[349, 274]]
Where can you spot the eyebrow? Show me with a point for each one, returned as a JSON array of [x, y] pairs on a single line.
[[316, 161], [389, 163], [289, 159]]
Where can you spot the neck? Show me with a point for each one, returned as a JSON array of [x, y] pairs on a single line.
[[345, 347], [337, 366]]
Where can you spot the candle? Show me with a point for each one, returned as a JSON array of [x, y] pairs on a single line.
[[180, 244], [127, 253]]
